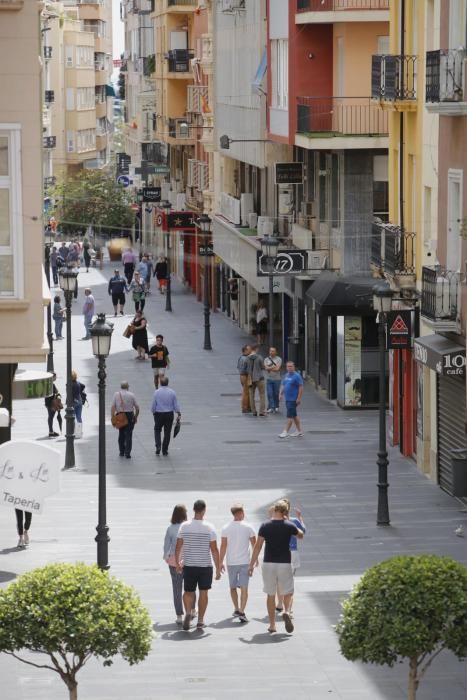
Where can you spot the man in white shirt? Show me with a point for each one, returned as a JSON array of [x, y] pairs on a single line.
[[198, 540], [237, 536]]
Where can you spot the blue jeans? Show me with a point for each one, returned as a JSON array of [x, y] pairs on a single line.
[[87, 324], [273, 389], [78, 406], [58, 327]]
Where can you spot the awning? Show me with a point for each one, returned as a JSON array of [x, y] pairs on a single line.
[[109, 91], [340, 295], [441, 354]]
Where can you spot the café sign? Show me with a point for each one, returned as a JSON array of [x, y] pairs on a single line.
[[441, 355]]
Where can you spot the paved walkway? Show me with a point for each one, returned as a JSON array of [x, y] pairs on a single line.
[[225, 456]]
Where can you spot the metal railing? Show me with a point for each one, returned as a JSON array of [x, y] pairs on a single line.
[[394, 77], [445, 75], [197, 98], [333, 5], [439, 293], [392, 249], [179, 60], [340, 115]]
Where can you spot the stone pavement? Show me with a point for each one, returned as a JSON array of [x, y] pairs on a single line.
[[225, 456]]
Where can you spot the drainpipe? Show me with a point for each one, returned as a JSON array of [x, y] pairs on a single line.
[[401, 211]]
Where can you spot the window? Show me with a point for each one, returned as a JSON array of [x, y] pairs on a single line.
[[84, 56], [70, 99], [10, 211], [69, 56], [85, 98], [85, 140], [70, 141], [454, 222], [280, 73]]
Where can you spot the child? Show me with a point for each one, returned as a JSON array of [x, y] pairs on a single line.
[[58, 318]]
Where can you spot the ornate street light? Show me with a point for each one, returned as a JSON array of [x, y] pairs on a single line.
[[204, 223], [101, 337], [68, 279], [269, 249], [382, 303]]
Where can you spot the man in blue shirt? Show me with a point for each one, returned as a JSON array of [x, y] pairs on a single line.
[[164, 405], [291, 390]]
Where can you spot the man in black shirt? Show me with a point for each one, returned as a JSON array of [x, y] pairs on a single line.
[[160, 361], [277, 567], [117, 289]]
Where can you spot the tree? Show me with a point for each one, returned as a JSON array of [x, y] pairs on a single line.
[[69, 613], [407, 607], [92, 198]]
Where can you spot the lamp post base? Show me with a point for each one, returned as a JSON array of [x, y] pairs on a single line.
[[70, 438], [168, 295], [102, 538], [382, 517]]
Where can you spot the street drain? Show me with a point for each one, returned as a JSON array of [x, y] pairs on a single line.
[[242, 442], [326, 432], [324, 463], [233, 395]]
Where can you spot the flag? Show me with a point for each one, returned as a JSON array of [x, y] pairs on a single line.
[[205, 108]]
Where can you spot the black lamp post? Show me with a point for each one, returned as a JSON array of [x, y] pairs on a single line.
[[168, 297], [50, 354], [101, 336], [382, 302], [68, 281], [204, 223], [269, 248]]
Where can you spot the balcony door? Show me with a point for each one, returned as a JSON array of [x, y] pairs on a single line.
[[457, 24], [453, 247]]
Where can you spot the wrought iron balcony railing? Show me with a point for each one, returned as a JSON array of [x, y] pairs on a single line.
[[439, 293], [179, 60], [394, 77], [49, 97], [47, 51], [445, 75], [392, 249], [336, 5], [340, 115]]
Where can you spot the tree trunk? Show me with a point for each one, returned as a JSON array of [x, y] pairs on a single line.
[[73, 690], [413, 678]]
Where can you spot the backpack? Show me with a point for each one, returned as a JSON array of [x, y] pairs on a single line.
[[82, 393]]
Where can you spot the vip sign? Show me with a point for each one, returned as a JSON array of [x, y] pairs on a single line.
[[399, 325], [28, 474]]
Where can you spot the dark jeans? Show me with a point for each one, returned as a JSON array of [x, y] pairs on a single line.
[[165, 421], [139, 305], [19, 520], [55, 275], [125, 436], [273, 389], [50, 419], [128, 270]]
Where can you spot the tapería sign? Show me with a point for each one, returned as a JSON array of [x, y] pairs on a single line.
[[28, 474]]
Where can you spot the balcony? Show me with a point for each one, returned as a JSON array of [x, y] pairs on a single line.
[[49, 97], [439, 298], [340, 116], [47, 50], [394, 79], [197, 99], [182, 5], [324, 11], [180, 130], [179, 60], [49, 141], [445, 75], [393, 252]]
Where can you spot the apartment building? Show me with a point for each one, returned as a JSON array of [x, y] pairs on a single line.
[[23, 290], [440, 351]]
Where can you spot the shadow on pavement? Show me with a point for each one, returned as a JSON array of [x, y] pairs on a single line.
[[182, 636], [6, 575], [266, 638]]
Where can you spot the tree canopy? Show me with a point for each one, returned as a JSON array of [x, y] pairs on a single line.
[[69, 613], [407, 607], [92, 198]]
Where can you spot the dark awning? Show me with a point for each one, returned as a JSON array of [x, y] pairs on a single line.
[[109, 91], [443, 355], [340, 295]]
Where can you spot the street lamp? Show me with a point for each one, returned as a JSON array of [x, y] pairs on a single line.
[[269, 248], [382, 302], [68, 278], [50, 354], [101, 336], [168, 297], [204, 223]]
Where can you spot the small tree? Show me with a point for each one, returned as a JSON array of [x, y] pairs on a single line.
[[408, 607], [70, 612]]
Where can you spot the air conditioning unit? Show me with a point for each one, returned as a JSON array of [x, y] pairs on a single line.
[[252, 220], [318, 260], [246, 207], [265, 226]]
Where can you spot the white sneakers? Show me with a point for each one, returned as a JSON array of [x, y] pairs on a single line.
[[297, 434], [285, 434]]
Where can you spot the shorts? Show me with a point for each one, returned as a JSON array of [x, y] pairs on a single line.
[[277, 578], [238, 575], [118, 299], [162, 282], [291, 409], [295, 560], [194, 576], [159, 371]]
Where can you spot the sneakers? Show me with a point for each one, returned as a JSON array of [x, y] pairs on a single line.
[[270, 410], [242, 617], [284, 434], [236, 613], [26, 537], [186, 622], [20, 541], [179, 619], [297, 434]]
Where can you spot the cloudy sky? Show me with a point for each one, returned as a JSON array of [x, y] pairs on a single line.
[[118, 35]]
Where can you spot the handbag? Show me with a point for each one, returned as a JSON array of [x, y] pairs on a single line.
[[56, 404], [120, 420], [128, 332]]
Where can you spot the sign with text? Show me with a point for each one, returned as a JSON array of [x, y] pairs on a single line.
[[151, 194], [206, 249], [123, 164], [28, 474], [399, 325], [286, 262], [289, 173]]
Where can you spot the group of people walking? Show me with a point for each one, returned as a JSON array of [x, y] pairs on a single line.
[[259, 375], [194, 560]]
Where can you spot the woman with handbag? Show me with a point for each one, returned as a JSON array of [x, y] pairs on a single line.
[[138, 289], [140, 336], [54, 405]]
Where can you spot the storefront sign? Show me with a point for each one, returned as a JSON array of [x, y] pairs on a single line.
[[399, 325], [184, 220], [151, 194], [441, 355], [206, 249], [353, 360], [32, 384], [289, 173], [28, 474], [286, 262]]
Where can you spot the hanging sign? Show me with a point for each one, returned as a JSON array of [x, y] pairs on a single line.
[[28, 474], [399, 327]]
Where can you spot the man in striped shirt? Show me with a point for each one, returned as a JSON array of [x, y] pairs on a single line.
[[198, 540]]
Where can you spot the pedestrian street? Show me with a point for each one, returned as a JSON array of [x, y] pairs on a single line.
[[223, 456]]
